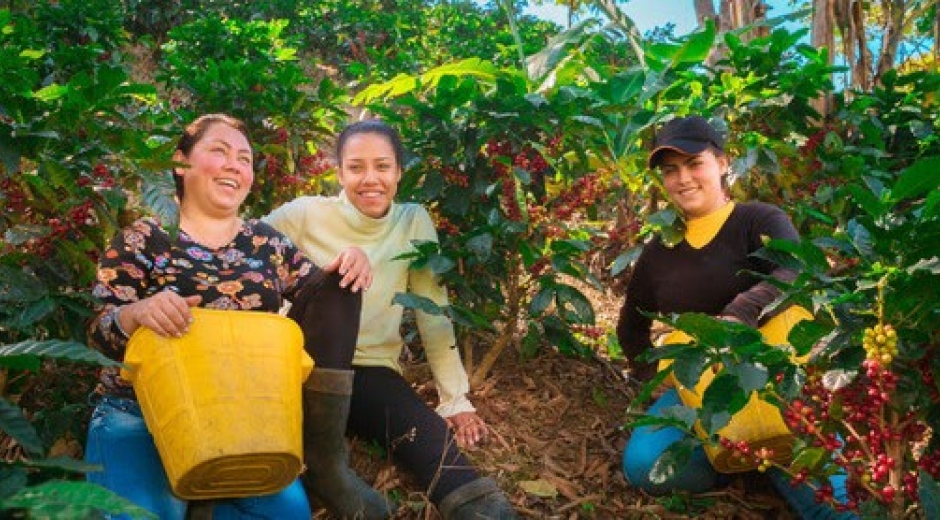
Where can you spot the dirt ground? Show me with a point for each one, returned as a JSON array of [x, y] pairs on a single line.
[[557, 438]]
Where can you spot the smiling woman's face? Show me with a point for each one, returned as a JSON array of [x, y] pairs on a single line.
[[220, 173], [694, 181], [369, 173]]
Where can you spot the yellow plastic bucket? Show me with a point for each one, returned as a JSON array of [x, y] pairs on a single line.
[[759, 423], [223, 402]]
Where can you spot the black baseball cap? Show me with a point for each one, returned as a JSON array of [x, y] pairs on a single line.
[[687, 135]]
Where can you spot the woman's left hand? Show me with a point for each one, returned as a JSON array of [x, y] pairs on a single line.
[[353, 265], [469, 428]]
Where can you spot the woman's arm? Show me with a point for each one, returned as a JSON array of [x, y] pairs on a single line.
[[123, 286], [437, 332], [633, 327], [747, 306]]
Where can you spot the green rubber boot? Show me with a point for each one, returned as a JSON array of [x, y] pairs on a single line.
[[329, 478], [478, 500]]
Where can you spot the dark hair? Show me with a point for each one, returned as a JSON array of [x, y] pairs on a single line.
[[195, 131], [371, 126]]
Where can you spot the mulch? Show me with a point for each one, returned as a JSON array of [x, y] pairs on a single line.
[[557, 436]]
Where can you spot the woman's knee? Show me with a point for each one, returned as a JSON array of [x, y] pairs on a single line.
[[648, 444], [288, 504]]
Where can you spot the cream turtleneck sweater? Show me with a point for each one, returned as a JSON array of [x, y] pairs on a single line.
[[324, 226]]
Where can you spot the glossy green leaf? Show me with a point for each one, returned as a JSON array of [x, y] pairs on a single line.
[[542, 300], [58, 350], [750, 376], [418, 303], [59, 499], [16, 425], [917, 179], [51, 92], [689, 367], [929, 494], [481, 246], [673, 460], [570, 298]]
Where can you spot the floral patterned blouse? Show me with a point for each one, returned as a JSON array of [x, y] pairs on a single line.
[[257, 270]]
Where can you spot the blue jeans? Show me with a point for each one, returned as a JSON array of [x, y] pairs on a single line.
[[648, 443], [119, 441]]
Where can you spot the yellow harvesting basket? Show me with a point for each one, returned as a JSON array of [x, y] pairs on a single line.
[[223, 402], [759, 423]]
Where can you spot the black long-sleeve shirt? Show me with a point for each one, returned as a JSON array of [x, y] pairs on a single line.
[[713, 279]]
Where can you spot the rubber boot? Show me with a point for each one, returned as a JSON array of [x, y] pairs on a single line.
[[480, 499], [802, 498], [328, 477]]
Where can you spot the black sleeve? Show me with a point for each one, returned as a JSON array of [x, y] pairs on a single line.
[[633, 328], [771, 223]]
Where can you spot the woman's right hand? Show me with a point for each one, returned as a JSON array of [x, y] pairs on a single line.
[[354, 266], [165, 313]]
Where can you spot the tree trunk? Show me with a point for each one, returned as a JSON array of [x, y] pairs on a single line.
[[862, 70], [732, 15], [849, 18], [823, 36], [704, 11], [894, 31], [936, 39]]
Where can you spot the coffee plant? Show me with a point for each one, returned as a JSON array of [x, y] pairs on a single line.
[[529, 147]]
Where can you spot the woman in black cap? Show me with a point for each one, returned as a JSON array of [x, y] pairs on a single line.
[[709, 271]]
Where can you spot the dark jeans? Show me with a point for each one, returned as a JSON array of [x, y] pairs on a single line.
[[387, 410], [329, 317]]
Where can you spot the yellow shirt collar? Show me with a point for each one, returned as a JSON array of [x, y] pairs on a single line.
[[700, 231]]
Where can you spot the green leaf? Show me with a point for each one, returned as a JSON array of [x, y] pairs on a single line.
[[917, 179], [751, 377], [929, 495], [931, 265], [694, 49], [440, 264], [159, 194], [810, 458], [542, 300], [419, 303], [51, 92], [861, 238], [16, 425], [669, 224], [63, 463], [867, 200], [805, 335], [624, 260], [626, 86], [673, 460], [58, 350], [12, 479], [722, 399], [400, 84], [568, 297], [61, 499], [689, 367], [481, 246], [9, 152], [555, 51]]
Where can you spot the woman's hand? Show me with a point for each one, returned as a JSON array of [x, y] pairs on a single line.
[[353, 265], [165, 313], [469, 428]]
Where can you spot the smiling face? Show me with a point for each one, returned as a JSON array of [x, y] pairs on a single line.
[[369, 172], [219, 175], [694, 182]]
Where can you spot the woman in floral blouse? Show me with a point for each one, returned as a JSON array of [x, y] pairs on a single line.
[[150, 278]]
